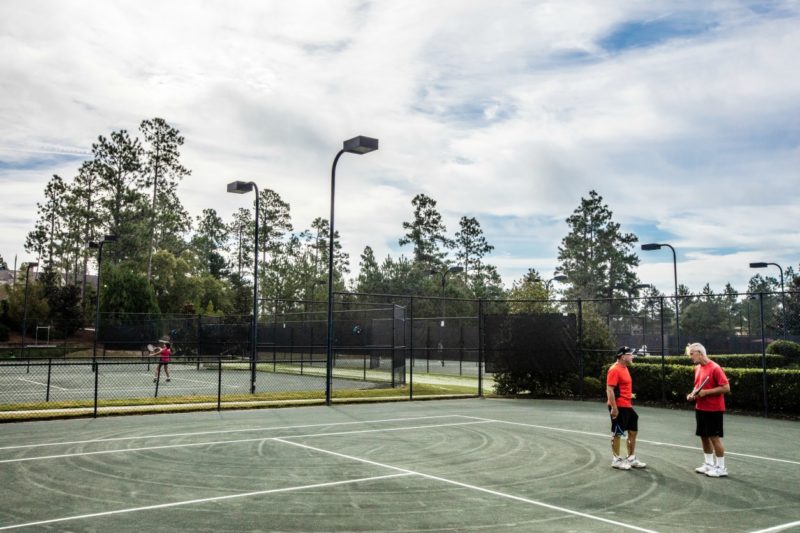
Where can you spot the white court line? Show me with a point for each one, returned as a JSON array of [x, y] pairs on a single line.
[[227, 431], [199, 381], [103, 388], [42, 384], [236, 441], [781, 527], [468, 486], [202, 500], [638, 440]]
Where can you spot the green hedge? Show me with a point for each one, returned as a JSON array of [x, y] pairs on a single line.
[[747, 386], [725, 361], [788, 348]]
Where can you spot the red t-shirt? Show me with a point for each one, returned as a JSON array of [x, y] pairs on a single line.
[[718, 378], [165, 353], [619, 378]]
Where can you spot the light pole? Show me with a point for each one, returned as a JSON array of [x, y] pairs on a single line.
[[357, 145], [783, 294], [655, 246], [28, 268], [241, 187], [99, 247], [561, 278]]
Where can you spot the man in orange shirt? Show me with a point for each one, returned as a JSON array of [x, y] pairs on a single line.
[[708, 409], [619, 390]]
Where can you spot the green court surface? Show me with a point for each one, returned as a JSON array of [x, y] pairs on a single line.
[[457, 465]]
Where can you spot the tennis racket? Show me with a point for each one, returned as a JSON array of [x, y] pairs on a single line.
[[150, 348], [702, 384]]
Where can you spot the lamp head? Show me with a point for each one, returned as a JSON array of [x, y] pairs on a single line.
[[240, 187], [561, 278], [651, 246], [455, 269], [94, 245], [758, 265], [110, 238], [33, 265], [360, 145]]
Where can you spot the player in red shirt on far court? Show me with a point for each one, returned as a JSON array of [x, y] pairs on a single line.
[[710, 387], [619, 390], [163, 354]]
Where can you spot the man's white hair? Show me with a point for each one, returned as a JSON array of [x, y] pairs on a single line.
[[696, 346]]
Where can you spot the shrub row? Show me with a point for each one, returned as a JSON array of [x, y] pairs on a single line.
[[747, 386], [788, 348], [725, 361]]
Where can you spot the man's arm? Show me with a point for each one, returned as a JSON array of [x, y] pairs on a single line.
[[716, 391], [612, 401]]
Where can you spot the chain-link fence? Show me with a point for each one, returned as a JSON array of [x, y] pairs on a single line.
[[395, 346]]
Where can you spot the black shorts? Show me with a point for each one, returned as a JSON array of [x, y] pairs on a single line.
[[709, 423], [627, 420]]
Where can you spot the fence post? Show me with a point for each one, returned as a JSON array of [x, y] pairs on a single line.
[[663, 361], [49, 367], [411, 350], [96, 384], [461, 349], [480, 347], [219, 382], [393, 350], [580, 349], [763, 349]]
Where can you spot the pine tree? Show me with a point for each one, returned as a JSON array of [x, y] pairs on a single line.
[[426, 232], [596, 256], [471, 246]]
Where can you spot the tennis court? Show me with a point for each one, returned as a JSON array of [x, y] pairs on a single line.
[[75, 380], [459, 465]]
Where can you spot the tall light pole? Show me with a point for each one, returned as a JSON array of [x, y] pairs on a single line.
[[241, 187], [357, 145], [783, 294], [655, 246], [25, 305], [99, 247]]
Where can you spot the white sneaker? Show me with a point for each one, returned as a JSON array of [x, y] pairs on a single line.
[[635, 462], [717, 471], [705, 467], [620, 464]]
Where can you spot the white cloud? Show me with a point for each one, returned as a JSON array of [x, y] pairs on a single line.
[[507, 112]]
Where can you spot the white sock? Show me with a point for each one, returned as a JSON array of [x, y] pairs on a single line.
[[721, 462], [709, 458]]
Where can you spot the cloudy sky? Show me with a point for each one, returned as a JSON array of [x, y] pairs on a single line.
[[683, 115]]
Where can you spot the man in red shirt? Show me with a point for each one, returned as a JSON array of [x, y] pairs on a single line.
[[709, 407], [619, 390]]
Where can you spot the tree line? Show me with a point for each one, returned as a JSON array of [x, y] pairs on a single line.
[[165, 261]]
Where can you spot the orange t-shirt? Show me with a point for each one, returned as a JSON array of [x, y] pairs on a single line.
[[718, 377], [620, 378]]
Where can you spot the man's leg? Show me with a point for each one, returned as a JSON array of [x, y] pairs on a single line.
[[631, 442]]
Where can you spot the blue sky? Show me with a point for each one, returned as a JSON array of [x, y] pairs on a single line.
[[684, 116]]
